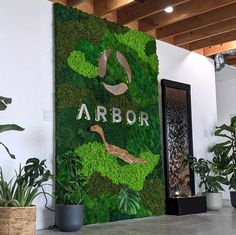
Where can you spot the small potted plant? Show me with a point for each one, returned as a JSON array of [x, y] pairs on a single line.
[[226, 153], [211, 179], [17, 214], [70, 194]]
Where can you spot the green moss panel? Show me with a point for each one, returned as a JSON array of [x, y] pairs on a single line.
[[80, 40]]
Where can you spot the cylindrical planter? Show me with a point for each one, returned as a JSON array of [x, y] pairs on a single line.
[[69, 217], [214, 201], [18, 220], [233, 198]]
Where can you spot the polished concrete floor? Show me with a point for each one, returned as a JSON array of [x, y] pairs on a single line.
[[211, 223]]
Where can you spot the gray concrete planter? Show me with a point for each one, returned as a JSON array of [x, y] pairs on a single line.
[[69, 217], [214, 201], [233, 198]]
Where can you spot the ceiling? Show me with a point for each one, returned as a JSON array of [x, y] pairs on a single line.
[[207, 27]]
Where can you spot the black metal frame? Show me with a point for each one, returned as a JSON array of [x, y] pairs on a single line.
[[188, 205], [181, 86]]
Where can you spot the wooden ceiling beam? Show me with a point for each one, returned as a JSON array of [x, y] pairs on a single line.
[[213, 50], [102, 7], [112, 16], [211, 41], [198, 21], [181, 12], [86, 6], [205, 32], [134, 25], [168, 40], [74, 3], [64, 2], [140, 10]]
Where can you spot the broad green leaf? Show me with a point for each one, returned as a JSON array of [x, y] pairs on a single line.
[[222, 128]]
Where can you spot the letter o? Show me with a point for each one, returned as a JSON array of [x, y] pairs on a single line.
[[130, 117]]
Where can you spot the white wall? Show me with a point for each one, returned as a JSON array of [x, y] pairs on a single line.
[[226, 93], [183, 66], [226, 97], [26, 75]]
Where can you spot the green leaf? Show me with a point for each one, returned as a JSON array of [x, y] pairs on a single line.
[[223, 128], [129, 201], [2, 106], [8, 151], [10, 127], [233, 122], [4, 101]]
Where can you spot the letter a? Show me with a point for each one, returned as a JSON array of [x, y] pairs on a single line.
[[83, 110]]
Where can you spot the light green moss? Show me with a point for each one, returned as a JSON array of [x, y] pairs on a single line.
[[94, 158], [79, 64], [137, 41]]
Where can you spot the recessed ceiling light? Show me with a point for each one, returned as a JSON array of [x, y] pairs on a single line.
[[169, 9]]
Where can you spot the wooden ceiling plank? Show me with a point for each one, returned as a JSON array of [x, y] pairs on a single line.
[[140, 10], [230, 57], [102, 7], [213, 50], [168, 40], [221, 38], [181, 12], [198, 21], [205, 32], [230, 61]]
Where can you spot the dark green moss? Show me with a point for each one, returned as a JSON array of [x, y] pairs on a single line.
[[150, 48], [153, 196], [63, 14], [98, 210], [70, 96], [99, 185]]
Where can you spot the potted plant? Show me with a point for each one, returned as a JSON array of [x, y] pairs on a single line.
[[70, 194], [211, 179], [17, 214], [226, 153]]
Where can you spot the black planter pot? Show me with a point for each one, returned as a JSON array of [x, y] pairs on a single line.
[[69, 218], [233, 198]]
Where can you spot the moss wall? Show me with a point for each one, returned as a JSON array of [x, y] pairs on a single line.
[[80, 39]]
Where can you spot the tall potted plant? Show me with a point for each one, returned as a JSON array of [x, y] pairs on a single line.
[[226, 154], [17, 214], [211, 179], [70, 193]]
